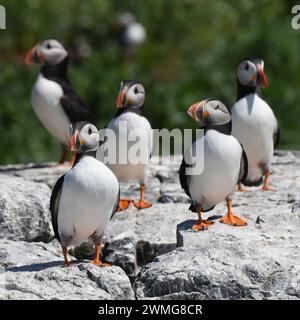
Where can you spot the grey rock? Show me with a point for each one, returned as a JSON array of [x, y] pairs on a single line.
[[135, 237], [120, 251], [260, 261], [21, 253], [47, 173], [24, 210], [36, 271]]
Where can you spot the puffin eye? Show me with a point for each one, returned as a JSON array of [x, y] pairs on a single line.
[[90, 131], [136, 91], [247, 66], [217, 107], [49, 46]]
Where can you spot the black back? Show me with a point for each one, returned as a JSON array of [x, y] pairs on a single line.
[[74, 107], [54, 203], [115, 209], [244, 167], [276, 137]]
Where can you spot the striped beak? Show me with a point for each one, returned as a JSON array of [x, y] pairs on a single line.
[[32, 56], [263, 81], [72, 143], [194, 108], [121, 98]]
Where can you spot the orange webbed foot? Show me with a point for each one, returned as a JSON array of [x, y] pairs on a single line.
[[141, 204], [240, 188], [233, 220], [124, 204], [67, 264], [267, 188], [203, 225], [99, 263]]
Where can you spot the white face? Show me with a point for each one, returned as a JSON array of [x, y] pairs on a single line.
[[247, 73], [51, 51], [216, 112], [135, 95], [84, 137], [89, 137]]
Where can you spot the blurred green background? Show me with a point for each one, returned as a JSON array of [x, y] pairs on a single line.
[[192, 51]]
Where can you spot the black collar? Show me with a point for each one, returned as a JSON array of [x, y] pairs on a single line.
[[224, 128], [243, 91], [59, 71], [129, 109]]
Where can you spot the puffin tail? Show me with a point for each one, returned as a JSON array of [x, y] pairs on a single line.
[[253, 183], [254, 177], [193, 208]]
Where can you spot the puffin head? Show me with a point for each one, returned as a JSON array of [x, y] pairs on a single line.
[[84, 137], [209, 112], [48, 52], [131, 95], [250, 73]]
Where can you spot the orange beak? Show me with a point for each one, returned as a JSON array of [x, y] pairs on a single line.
[[263, 79], [120, 98], [32, 57], [72, 143], [192, 111]]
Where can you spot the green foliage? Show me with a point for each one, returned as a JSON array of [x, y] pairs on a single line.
[[192, 51]]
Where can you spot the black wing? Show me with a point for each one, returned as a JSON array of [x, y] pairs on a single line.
[[276, 137], [244, 167], [74, 107], [54, 202], [183, 177], [115, 209]]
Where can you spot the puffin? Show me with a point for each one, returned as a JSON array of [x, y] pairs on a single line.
[[214, 164], [254, 123], [130, 103], [85, 198], [130, 33], [53, 98]]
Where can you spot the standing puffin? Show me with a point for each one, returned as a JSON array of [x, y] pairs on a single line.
[[86, 197], [130, 112], [254, 123], [53, 99], [223, 162]]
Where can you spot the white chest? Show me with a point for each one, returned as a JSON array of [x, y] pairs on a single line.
[[253, 124], [45, 100], [88, 197], [133, 145], [222, 156]]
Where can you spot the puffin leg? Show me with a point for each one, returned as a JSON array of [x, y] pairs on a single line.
[[266, 186], [124, 204], [240, 188], [65, 252], [96, 260], [230, 218], [142, 204], [63, 154], [201, 224], [72, 160]]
